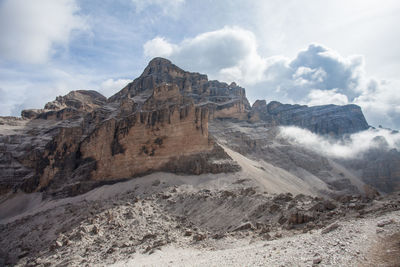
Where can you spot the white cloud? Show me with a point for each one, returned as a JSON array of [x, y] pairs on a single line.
[[168, 7], [23, 90], [315, 76], [226, 54], [30, 30], [353, 146], [325, 97], [112, 86], [381, 103], [158, 47]]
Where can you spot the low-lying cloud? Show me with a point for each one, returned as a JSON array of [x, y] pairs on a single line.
[[350, 147]]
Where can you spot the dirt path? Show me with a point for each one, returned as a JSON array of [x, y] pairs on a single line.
[[386, 252]]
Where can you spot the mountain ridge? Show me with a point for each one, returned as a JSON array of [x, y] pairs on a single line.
[[158, 122]]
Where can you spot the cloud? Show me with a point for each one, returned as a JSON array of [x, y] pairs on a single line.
[[167, 7], [27, 89], [231, 53], [353, 146], [317, 75], [158, 47], [31, 30], [9, 102], [327, 70], [226, 54], [24, 95], [325, 97], [381, 103], [111, 86]]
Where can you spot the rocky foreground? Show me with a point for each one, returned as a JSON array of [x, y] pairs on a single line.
[[153, 222], [176, 169]]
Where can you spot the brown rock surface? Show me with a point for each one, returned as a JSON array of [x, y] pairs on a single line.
[[158, 122], [222, 100]]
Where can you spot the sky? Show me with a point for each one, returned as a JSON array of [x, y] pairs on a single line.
[[309, 52]]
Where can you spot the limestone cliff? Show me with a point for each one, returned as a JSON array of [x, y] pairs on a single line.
[[328, 119], [159, 122], [221, 99], [81, 139]]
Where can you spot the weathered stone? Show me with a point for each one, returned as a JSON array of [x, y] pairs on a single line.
[[317, 261], [330, 228], [199, 237], [328, 119], [300, 217], [383, 223], [244, 226]]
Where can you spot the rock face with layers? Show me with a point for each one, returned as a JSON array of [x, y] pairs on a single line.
[[159, 122], [81, 140], [147, 140], [328, 119], [68, 106], [221, 99]]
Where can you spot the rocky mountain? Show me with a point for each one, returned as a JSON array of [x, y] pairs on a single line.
[[175, 167], [160, 122], [329, 119], [65, 107], [222, 100]]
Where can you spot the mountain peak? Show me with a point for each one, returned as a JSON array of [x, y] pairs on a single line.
[[159, 61], [161, 66]]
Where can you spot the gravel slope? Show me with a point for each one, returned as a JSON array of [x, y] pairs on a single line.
[[349, 245]]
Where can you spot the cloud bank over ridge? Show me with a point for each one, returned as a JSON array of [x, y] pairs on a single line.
[[351, 147]]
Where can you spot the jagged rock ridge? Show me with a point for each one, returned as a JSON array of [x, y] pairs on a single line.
[[81, 140], [221, 99], [64, 107], [159, 122]]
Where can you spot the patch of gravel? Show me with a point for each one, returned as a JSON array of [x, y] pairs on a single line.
[[347, 245], [199, 227]]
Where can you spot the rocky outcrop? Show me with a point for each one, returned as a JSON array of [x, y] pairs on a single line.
[[221, 99], [158, 122], [328, 119], [379, 167], [68, 106], [81, 140]]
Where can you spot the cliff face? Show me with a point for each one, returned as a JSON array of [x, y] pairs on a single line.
[[221, 99], [379, 168], [81, 140], [328, 119], [159, 122], [146, 140]]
